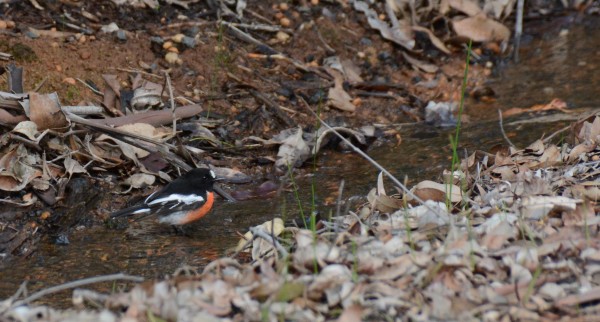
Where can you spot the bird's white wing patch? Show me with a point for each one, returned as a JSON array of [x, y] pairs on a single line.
[[141, 211], [186, 199], [212, 174]]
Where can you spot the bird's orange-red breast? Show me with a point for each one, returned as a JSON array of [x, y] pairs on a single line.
[[184, 200]]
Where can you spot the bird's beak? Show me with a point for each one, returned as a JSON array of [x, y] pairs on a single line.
[[223, 193]]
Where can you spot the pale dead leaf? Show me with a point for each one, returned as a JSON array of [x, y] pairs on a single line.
[[426, 67], [538, 207], [27, 128], [293, 151], [429, 190], [338, 97], [480, 28], [140, 180], [401, 34], [468, 7], [44, 110], [72, 166], [437, 42]]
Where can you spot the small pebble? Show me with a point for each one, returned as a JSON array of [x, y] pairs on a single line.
[[62, 239], [284, 6], [85, 54], [173, 49], [58, 68], [3, 24], [82, 39], [45, 215], [167, 45], [70, 81], [279, 16], [285, 22], [121, 35], [173, 58], [32, 35], [178, 38], [314, 2], [54, 44], [189, 42], [282, 36], [365, 41], [157, 40], [357, 101], [11, 24]]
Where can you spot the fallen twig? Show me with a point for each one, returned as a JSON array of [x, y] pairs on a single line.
[[77, 283], [502, 129], [368, 158], [257, 232]]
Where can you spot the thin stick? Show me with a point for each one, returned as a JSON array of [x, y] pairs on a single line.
[[171, 101], [548, 138], [78, 283], [339, 200], [518, 28], [502, 129], [368, 158], [95, 91], [39, 86], [257, 232]]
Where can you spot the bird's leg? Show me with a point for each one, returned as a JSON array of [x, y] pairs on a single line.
[[179, 230]]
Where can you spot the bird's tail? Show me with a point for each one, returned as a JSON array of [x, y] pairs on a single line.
[[138, 209]]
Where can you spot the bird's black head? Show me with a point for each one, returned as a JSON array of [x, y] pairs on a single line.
[[205, 177]]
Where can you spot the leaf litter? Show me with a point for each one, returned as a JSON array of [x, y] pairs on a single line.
[[519, 244]]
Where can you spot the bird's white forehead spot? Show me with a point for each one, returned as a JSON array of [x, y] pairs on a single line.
[[186, 199], [212, 174]]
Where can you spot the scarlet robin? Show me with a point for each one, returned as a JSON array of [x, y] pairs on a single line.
[[186, 199]]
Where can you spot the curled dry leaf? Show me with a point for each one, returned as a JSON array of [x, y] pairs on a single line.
[[139, 180], [45, 111], [429, 190], [27, 128], [480, 28], [468, 7], [400, 34], [338, 97], [538, 207], [147, 95], [72, 166], [272, 227], [293, 151]]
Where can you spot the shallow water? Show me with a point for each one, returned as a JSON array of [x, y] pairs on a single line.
[[566, 70]]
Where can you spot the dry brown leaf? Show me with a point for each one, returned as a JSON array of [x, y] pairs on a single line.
[[426, 67], [481, 28], [72, 166], [352, 313], [538, 207], [44, 110], [468, 7], [437, 42], [401, 33], [337, 96], [429, 190], [27, 128]]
